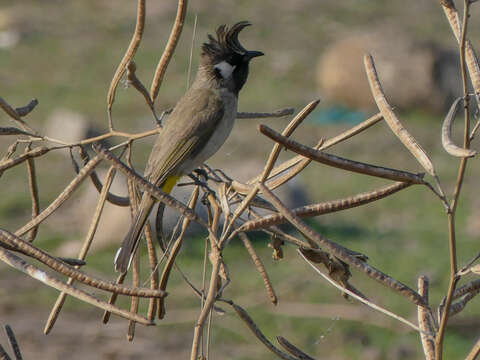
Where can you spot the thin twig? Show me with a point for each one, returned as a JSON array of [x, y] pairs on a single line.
[[424, 321], [289, 129], [153, 190], [35, 152], [257, 332], [263, 115], [15, 116], [70, 271], [32, 183], [352, 131], [113, 299], [326, 207], [111, 198], [342, 163], [134, 299], [129, 54], [154, 276], [137, 84], [66, 193], [210, 298], [3, 354], [467, 288], [325, 145], [457, 307], [27, 109], [261, 269], [13, 342], [169, 49], [458, 186], [359, 298], [340, 252], [391, 119], [84, 250], [292, 349], [19, 264], [173, 252], [473, 354]]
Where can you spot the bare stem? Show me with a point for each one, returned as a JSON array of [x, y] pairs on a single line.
[[458, 186]]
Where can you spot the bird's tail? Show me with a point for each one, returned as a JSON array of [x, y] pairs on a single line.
[[130, 243]]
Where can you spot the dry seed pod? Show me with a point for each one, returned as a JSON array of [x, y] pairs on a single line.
[[398, 129], [447, 142]]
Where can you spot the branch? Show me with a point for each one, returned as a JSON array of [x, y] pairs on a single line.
[[342, 163]]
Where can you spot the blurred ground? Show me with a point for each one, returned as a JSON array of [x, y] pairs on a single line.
[[65, 53]]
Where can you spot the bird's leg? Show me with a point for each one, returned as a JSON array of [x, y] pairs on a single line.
[[200, 178], [201, 173]]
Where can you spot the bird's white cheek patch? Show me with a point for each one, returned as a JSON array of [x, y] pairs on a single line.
[[225, 69]]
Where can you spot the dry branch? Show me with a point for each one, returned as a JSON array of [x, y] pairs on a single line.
[[66, 193], [15, 116], [137, 84], [3, 354], [326, 207], [111, 198], [263, 115], [341, 253], [342, 163], [292, 349], [36, 152], [33, 186], [129, 54], [19, 264], [398, 129], [471, 57], [353, 131], [169, 49], [13, 342], [261, 269], [257, 332], [289, 129], [65, 269], [473, 354], [425, 321], [173, 252], [84, 250], [153, 190], [360, 298], [27, 109]]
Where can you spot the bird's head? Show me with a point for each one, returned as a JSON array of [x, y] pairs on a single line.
[[225, 59]]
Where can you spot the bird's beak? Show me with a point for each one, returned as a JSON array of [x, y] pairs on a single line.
[[251, 54]]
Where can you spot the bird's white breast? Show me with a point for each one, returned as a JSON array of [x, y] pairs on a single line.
[[219, 135]]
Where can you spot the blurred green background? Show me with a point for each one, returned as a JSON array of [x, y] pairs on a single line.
[[65, 53]]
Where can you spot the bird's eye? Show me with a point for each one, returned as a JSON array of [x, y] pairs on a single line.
[[217, 72]]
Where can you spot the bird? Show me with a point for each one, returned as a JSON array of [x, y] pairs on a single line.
[[197, 127]]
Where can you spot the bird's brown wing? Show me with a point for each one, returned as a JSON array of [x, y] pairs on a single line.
[[188, 129]]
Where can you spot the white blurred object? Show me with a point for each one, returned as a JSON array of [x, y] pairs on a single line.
[[8, 39]]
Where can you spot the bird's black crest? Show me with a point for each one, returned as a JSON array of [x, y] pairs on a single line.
[[226, 41]]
